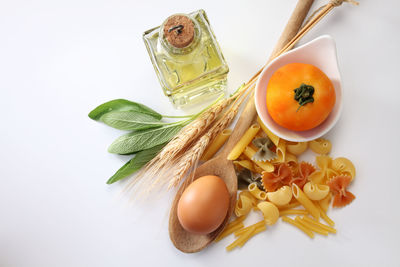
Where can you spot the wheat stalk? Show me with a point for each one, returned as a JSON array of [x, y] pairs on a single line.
[[190, 159], [159, 166]]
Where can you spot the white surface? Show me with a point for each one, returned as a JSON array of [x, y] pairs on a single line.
[[60, 59]]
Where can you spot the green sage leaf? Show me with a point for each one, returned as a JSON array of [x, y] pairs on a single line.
[[130, 120], [135, 163], [122, 105], [144, 139]]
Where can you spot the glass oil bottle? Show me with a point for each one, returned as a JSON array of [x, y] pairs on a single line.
[[187, 58]]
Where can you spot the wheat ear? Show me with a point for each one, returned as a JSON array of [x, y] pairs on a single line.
[[190, 159]]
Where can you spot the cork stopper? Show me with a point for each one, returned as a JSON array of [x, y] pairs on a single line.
[[179, 31]]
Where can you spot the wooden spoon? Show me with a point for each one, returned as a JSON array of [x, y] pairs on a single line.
[[220, 166]]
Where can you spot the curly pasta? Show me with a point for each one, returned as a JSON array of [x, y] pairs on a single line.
[[315, 191], [320, 146], [280, 197], [297, 149], [270, 212]]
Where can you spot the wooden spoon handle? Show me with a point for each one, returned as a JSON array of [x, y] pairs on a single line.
[[249, 112]]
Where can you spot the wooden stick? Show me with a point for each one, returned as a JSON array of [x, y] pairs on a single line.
[[249, 112]]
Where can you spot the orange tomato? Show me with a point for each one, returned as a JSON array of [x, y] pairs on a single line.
[[288, 112]]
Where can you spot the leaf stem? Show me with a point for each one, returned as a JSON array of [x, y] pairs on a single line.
[[178, 117]]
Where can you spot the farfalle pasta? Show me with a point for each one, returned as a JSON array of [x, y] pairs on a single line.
[[282, 175], [303, 171], [344, 166]]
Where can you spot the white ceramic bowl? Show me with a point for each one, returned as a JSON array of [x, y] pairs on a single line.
[[320, 52]]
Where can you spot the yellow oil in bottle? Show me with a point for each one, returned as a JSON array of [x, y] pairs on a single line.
[[192, 73]]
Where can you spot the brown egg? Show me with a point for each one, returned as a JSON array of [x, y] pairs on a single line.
[[203, 205]]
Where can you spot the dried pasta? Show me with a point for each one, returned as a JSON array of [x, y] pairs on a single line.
[[344, 166], [317, 177], [248, 228], [297, 149], [256, 192], [315, 191], [249, 195], [323, 162], [292, 212], [275, 139], [291, 205], [324, 216], [323, 226], [280, 197], [270, 212], [324, 203], [290, 158], [307, 203], [298, 225], [281, 151], [266, 166], [311, 227], [243, 205], [244, 142], [320, 146], [245, 164], [243, 238], [288, 183], [216, 144], [229, 231]]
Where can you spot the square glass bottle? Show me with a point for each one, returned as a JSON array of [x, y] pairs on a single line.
[[187, 58]]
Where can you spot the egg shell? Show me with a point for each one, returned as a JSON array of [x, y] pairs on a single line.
[[203, 205]]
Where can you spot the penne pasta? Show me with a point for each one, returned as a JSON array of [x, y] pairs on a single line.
[[229, 231], [292, 212], [245, 164], [305, 201], [324, 216], [271, 136], [241, 239], [256, 225], [238, 220], [323, 226], [253, 233], [256, 192], [298, 225], [244, 142], [216, 144], [266, 166], [311, 227], [280, 151], [324, 203]]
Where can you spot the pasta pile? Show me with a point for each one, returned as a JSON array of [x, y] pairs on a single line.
[[277, 186]]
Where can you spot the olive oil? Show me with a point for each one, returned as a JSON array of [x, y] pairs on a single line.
[[187, 58]]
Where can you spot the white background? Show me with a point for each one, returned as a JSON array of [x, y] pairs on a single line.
[[60, 59]]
